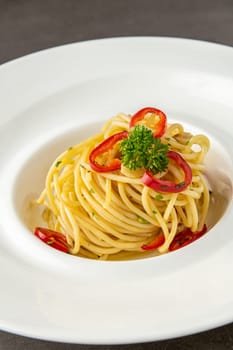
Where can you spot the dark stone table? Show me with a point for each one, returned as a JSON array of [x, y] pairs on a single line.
[[30, 25]]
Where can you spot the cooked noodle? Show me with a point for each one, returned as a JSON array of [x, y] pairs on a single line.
[[111, 215]]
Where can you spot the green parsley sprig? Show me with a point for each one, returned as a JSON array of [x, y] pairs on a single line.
[[142, 150]]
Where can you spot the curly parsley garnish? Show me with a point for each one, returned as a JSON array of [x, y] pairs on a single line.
[[142, 150]]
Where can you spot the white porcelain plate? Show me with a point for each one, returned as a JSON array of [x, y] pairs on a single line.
[[55, 98]]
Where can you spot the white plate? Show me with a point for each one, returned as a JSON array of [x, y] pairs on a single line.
[[52, 99]]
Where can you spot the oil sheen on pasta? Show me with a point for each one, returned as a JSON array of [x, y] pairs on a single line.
[[111, 215]]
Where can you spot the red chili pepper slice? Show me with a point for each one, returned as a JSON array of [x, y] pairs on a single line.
[[168, 186], [104, 148], [52, 238], [156, 243], [186, 237], [158, 126]]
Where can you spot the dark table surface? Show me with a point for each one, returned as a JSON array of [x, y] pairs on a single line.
[[30, 25]]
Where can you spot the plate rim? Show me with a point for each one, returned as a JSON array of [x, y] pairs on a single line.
[[7, 65]]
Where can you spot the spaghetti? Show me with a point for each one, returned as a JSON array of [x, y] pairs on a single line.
[[106, 210]]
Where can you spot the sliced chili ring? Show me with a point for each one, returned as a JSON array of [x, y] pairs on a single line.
[[106, 146], [156, 243], [53, 238], [186, 237], [158, 126], [168, 186]]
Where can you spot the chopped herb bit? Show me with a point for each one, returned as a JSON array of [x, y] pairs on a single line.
[[91, 190], [51, 241], [70, 148], [93, 214], [142, 150], [142, 220], [158, 197], [154, 212], [58, 163]]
